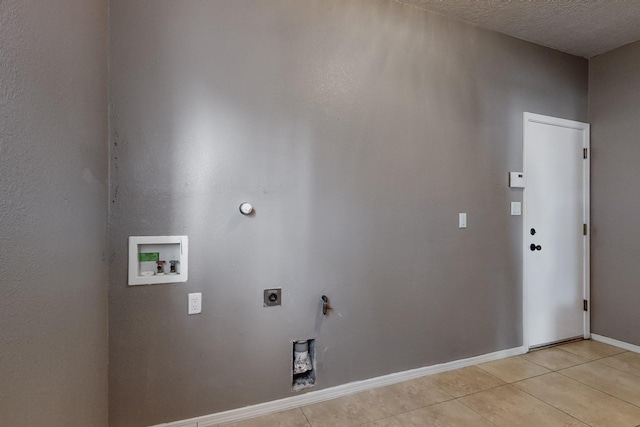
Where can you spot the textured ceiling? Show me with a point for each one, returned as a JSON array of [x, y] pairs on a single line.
[[580, 27]]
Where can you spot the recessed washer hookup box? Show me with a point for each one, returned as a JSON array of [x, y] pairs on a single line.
[[158, 259]]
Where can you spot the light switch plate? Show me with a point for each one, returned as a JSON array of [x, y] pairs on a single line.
[[516, 208], [462, 220]]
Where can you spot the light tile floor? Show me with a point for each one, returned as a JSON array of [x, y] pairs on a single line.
[[582, 383]]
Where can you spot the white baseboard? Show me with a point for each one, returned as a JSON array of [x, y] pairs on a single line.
[[337, 391], [611, 341]]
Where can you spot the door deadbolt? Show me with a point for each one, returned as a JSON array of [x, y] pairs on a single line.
[[533, 231]]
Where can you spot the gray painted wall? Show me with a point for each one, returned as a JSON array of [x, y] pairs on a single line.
[[53, 192], [358, 129], [614, 105]]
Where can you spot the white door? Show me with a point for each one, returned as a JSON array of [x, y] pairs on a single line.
[[556, 218]]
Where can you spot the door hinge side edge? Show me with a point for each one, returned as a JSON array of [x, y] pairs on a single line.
[[585, 153], [584, 229], [585, 305]]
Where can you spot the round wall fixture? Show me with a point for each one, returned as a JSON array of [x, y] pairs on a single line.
[[246, 208]]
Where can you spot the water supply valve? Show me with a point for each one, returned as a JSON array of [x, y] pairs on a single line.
[[160, 268], [325, 305], [173, 266]]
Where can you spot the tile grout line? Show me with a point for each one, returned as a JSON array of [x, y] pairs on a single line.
[[597, 358], [472, 410], [305, 416], [451, 397], [597, 389], [613, 367], [479, 391], [532, 376], [551, 405], [568, 352], [559, 347]]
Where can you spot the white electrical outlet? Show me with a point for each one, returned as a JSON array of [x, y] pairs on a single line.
[[195, 303]]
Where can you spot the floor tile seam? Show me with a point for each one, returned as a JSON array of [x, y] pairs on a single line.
[[556, 370], [480, 391], [444, 401], [433, 383], [535, 363], [577, 364], [395, 419], [411, 410], [378, 419], [486, 372], [597, 358], [601, 391], [389, 415], [576, 354], [311, 424], [533, 376], [305, 416], [613, 367], [552, 405], [386, 417], [476, 412], [393, 414], [483, 390]]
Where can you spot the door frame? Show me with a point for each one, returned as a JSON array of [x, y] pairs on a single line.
[[585, 128]]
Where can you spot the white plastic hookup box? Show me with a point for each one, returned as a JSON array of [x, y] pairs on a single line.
[[158, 259]]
